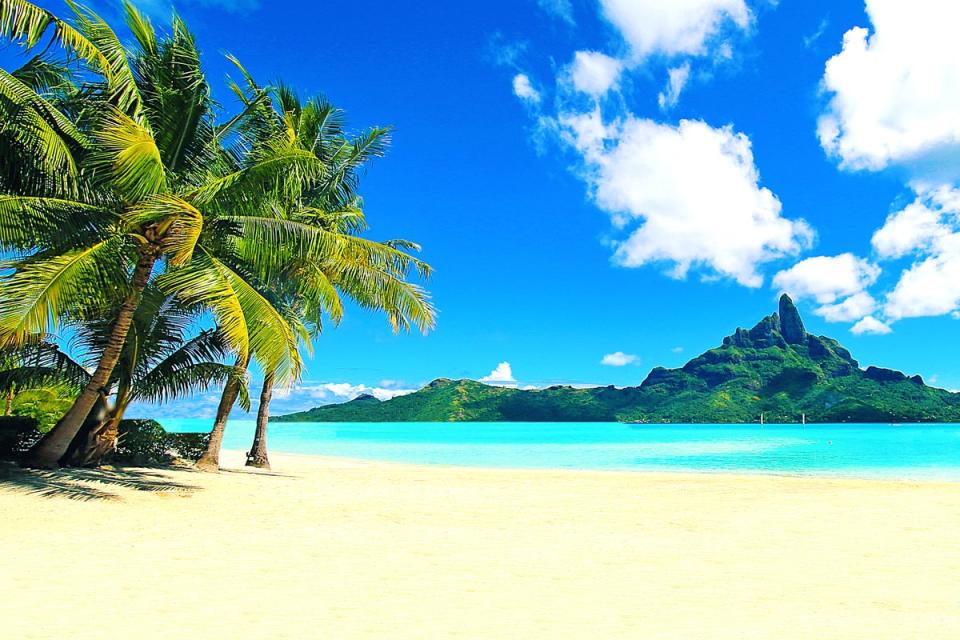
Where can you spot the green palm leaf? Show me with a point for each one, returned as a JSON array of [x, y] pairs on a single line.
[[42, 291], [249, 322], [128, 154], [24, 21], [29, 223]]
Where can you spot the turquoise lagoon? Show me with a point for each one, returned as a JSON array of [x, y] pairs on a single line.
[[884, 451]]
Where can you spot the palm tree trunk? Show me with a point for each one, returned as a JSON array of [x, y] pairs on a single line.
[[93, 426], [210, 460], [91, 446], [47, 453], [258, 452], [9, 408]]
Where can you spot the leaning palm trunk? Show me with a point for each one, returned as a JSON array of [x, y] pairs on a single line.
[[47, 453], [258, 452], [210, 460], [75, 454], [92, 445]]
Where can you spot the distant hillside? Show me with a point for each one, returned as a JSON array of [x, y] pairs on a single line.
[[776, 368]]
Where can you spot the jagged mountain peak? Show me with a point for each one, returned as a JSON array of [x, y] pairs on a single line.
[[791, 325]]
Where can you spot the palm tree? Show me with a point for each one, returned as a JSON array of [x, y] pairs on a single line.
[[303, 239], [158, 363], [136, 177]]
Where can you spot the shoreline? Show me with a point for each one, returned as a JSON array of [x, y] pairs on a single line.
[[323, 546], [732, 473]]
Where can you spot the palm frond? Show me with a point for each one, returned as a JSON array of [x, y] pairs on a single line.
[[249, 322], [128, 154], [40, 364], [28, 223], [27, 23], [43, 290], [263, 176], [122, 89], [44, 133]]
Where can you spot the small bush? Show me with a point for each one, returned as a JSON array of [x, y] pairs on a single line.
[[189, 446], [145, 442], [17, 434]]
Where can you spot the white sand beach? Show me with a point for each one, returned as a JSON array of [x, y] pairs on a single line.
[[328, 548]]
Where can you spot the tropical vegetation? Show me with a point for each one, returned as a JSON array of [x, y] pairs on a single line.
[[175, 244]]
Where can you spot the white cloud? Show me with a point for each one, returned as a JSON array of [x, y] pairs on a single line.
[[895, 91], [562, 9], [501, 375], [930, 287], [928, 229], [919, 225], [523, 89], [855, 307], [618, 359], [677, 350], [827, 278], [677, 80], [871, 325], [594, 73], [693, 189], [337, 392], [674, 27]]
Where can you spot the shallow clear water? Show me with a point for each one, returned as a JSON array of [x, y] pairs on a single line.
[[889, 451]]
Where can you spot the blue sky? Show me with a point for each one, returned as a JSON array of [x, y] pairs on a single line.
[[630, 178]]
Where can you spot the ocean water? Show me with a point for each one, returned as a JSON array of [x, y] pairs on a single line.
[[884, 451]]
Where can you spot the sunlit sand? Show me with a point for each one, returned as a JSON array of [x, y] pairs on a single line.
[[327, 548]]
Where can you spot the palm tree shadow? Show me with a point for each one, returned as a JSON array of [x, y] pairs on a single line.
[[87, 484], [258, 472]]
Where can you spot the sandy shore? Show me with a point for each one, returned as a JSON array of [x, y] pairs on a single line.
[[326, 548]]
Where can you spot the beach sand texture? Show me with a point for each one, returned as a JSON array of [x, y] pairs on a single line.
[[327, 548]]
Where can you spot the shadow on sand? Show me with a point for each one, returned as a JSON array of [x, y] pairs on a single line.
[[87, 484], [259, 472]]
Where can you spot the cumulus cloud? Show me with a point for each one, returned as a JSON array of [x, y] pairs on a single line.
[[857, 306], [677, 80], [871, 325], [674, 27], [827, 278], [928, 230], [523, 89], [931, 287], [692, 191], [618, 359], [920, 225], [594, 73], [853, 308], [502, 375], [895, 91]]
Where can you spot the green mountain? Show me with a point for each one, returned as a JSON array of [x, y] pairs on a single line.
[[776, 369]]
